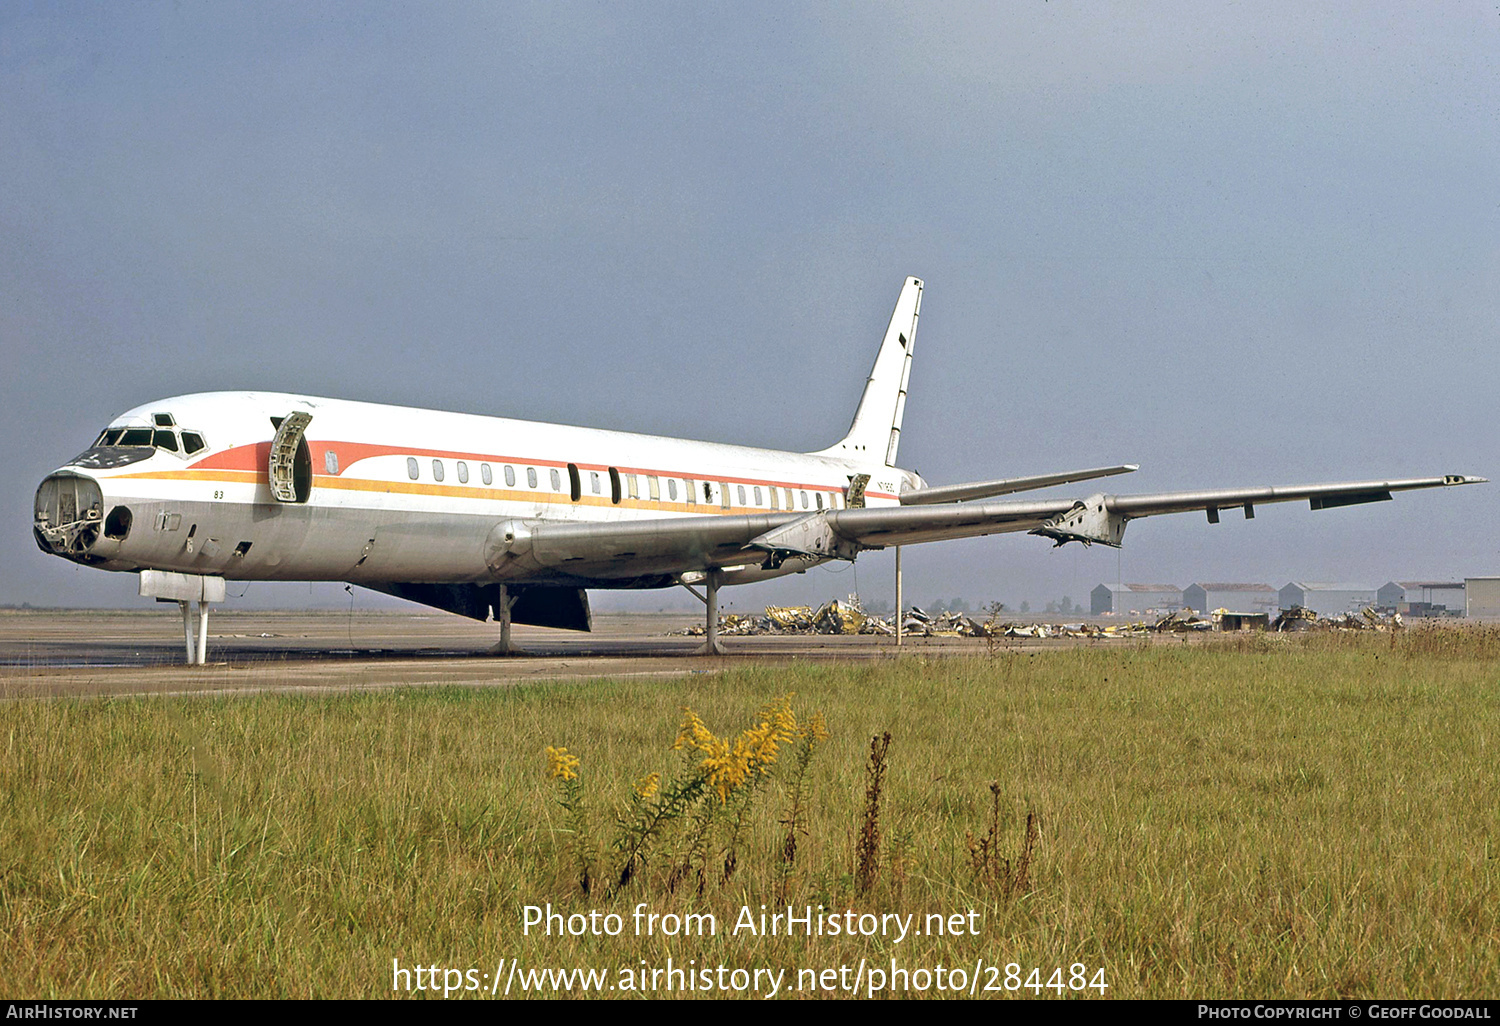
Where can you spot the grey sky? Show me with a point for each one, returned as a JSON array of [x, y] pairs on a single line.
[[1238, 244]]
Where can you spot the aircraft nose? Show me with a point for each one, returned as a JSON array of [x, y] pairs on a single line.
[[69, 514]]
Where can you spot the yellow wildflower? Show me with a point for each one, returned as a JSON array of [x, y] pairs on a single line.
[[726, 765], [758, 746], [561, 765], [816, 729], [647, 786], [782, 717], [693, 733]]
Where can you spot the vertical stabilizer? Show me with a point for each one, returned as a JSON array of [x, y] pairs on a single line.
[[876, 430]]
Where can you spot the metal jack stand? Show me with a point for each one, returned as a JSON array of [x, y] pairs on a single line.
[[502, 616], [185, 589], [712, 646]]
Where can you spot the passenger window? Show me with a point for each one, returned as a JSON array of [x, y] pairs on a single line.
[[330, 461], [774, 497], [531, 476], [741, 490], [804, 500], [672, 488], [614, 486], [819, 497], [789, 503], [463, 472], [723, 494], [633, 481], [594, 481], [556, 480], [757, 495], [510, 476], [437, 470], [575, 484], [485, 475], [192, 441], [412, 470], [653, 488]]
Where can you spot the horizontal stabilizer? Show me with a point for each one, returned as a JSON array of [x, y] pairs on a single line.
[[1006, 486]]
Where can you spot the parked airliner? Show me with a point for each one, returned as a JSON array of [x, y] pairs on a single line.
[[486, 516]]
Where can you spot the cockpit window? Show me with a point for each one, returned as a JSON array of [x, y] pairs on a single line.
[[168, 437]]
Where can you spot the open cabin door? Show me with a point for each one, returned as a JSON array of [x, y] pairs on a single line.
[[291, 463]]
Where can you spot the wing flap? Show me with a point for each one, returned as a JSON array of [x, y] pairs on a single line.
[[1333, 501]]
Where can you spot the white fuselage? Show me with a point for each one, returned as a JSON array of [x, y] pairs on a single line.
[[399, 494]]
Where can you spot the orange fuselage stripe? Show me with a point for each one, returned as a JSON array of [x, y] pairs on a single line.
[[246, 463]]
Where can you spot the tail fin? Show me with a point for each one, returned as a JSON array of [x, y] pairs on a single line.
[[876, 430]]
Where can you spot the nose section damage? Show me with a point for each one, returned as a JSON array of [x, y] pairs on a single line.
[[69, 516]]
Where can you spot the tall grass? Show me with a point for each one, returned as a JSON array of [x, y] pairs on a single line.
[[1304, 818]]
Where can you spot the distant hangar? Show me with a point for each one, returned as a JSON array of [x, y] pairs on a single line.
[[1139, 598], [1242, 598], [1477, 597], [1482, 597]]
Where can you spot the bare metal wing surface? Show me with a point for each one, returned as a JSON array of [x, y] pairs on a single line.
[[682, 545], [1006, 486]]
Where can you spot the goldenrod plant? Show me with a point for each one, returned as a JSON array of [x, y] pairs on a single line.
[[564, 768], [716, 786]]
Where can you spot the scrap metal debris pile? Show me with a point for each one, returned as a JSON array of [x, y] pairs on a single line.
[[1299, 619], [848, 618]]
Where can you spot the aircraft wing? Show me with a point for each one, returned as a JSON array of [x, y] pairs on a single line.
[[685, 544], [988, 489], [1099, 518]]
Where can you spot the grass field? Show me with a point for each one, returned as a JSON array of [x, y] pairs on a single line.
[[1311, 817]]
